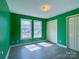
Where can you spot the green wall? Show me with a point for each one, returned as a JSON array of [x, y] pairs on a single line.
[[4, 28], [61, 34], [15, 29]]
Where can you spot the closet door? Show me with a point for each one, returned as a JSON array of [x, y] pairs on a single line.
[[52, 31], [73, 30], [77, 43], [75, 33], [71, 33]]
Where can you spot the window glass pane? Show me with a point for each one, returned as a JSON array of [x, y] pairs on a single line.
[[37, 29], [26, 28]]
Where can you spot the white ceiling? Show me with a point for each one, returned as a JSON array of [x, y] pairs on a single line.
[[32, 7]]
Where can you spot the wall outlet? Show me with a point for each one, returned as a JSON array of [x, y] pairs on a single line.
[[60, 41], [17, 41], [2, 53]]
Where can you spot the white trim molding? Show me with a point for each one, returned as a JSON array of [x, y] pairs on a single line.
[[60, 45], [22, 44], [8, 53]]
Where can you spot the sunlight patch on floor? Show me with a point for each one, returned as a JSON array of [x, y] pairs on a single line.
[[32, 47], [45, 44]]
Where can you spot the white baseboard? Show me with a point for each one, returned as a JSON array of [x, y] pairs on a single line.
[[26, 43], [62, 45], [8, 53], [20, 44]]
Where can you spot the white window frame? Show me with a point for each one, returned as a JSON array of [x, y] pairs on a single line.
[[23, 37], [37, 23]]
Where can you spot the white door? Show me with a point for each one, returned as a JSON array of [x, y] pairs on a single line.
[[52, 31], [77, 33], [74, 32], [71, 33]]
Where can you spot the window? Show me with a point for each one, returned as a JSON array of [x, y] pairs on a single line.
[[26, 29], [37, 29]]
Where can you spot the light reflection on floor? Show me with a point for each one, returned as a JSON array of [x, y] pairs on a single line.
[[32, 47], [45, 44]]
